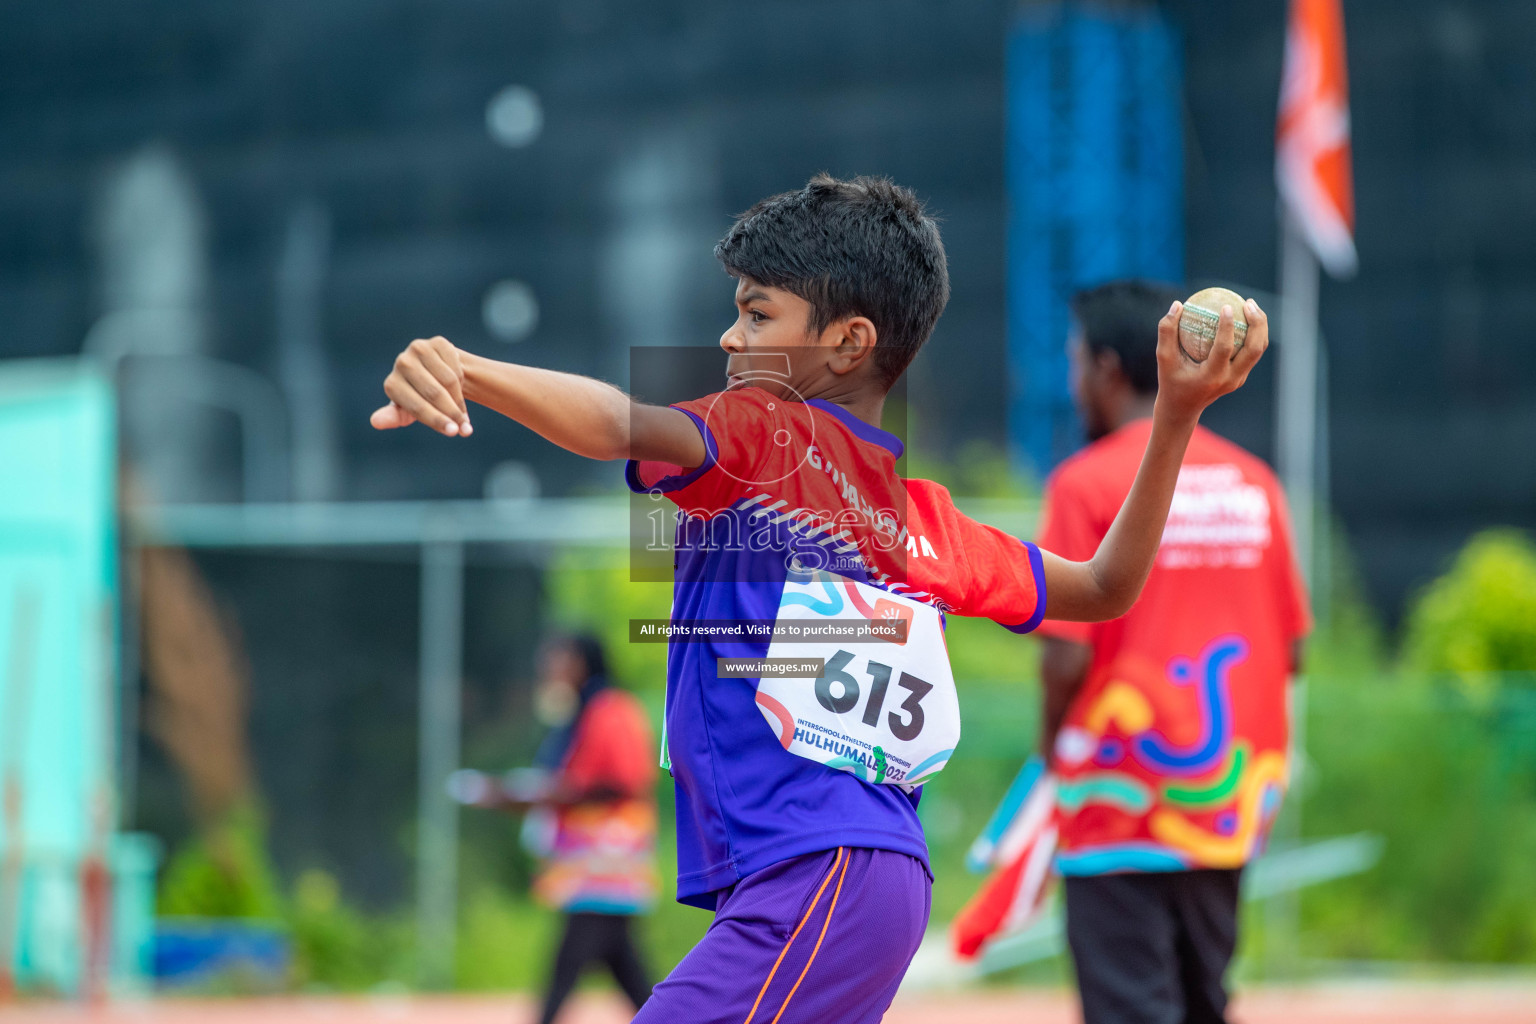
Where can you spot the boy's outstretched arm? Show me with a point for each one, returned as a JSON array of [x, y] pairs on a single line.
[[433, 383], [1106, 586]]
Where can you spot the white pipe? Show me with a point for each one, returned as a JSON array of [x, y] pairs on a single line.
[[437, 838]]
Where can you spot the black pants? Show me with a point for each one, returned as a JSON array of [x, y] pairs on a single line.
[[1153, 948], [606, 939]]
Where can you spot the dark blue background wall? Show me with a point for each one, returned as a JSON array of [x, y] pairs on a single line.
[[378, 110]]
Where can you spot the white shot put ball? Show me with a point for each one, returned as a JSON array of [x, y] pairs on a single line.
[[1202, 312]]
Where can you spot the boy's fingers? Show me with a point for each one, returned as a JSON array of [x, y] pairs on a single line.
[[404, 394], [448, 376], [1247, 356], [441, 359], [425, 386], [1258, 327], [1256, 342], [429, 389], [1168, 329], [1258, 320], [390, 417], [1225, 345]]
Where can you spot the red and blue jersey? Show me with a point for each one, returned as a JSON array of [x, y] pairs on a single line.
[[804, 485]]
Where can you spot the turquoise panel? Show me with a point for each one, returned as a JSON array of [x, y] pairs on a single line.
[[58, 644]]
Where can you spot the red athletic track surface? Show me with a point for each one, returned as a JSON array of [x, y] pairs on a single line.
[[1399, 1003]]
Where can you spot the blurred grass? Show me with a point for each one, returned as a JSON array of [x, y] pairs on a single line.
[[1449, 780]]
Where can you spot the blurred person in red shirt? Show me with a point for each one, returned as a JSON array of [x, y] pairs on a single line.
[[1167, 727], [591, 816]]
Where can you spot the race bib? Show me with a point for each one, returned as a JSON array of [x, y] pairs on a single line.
[[884, 710]]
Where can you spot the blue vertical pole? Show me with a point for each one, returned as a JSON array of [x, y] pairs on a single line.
[[1095, 172]]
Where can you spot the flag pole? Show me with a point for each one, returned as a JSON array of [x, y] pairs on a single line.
[[1296, 408], [1312, 173], [1296, 432]]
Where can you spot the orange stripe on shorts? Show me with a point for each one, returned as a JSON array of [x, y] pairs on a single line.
[[824, 926], [783, 952]]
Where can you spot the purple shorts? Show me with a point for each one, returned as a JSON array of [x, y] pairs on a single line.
[[820, 938]]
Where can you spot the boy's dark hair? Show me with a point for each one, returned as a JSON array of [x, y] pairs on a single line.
[[1121, 317], [862, 247]]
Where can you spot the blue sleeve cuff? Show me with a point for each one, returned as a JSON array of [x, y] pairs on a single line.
[[668, 484], [1036, 566]]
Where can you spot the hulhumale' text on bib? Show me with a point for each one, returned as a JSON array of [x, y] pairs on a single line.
[[884, 710]]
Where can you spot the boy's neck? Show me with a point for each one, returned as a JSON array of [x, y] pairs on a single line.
[[867, 404]]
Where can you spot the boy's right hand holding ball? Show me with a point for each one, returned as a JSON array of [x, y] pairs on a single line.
[[1185, 387]]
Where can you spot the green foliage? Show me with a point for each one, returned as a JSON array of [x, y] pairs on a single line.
[[670, 930], [1452, 789], [505, 942], [1446, 775], [593, 590], [1348, 640], [1480, 617], [981, 650], [977, 469], [224, 872], [336, 947]]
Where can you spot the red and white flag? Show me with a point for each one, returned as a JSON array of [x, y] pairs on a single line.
[[1312, 162], [1014, 895]]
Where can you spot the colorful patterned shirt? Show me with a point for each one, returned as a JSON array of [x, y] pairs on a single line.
[[602, 859], [1173, 754]]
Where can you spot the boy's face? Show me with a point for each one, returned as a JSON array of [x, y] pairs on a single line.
[[773, 345]]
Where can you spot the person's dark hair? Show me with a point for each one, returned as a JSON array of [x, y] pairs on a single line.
[[590, 650], [586, 646], [862, 247], [1121, 317]]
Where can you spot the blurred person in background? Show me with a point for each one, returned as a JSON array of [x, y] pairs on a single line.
[[1167, 727], [591, 816]]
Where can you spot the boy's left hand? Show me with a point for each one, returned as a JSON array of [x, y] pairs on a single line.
[[426, 385], [1185, 387]]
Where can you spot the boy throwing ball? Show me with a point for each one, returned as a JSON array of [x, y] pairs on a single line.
[[797, 797]]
